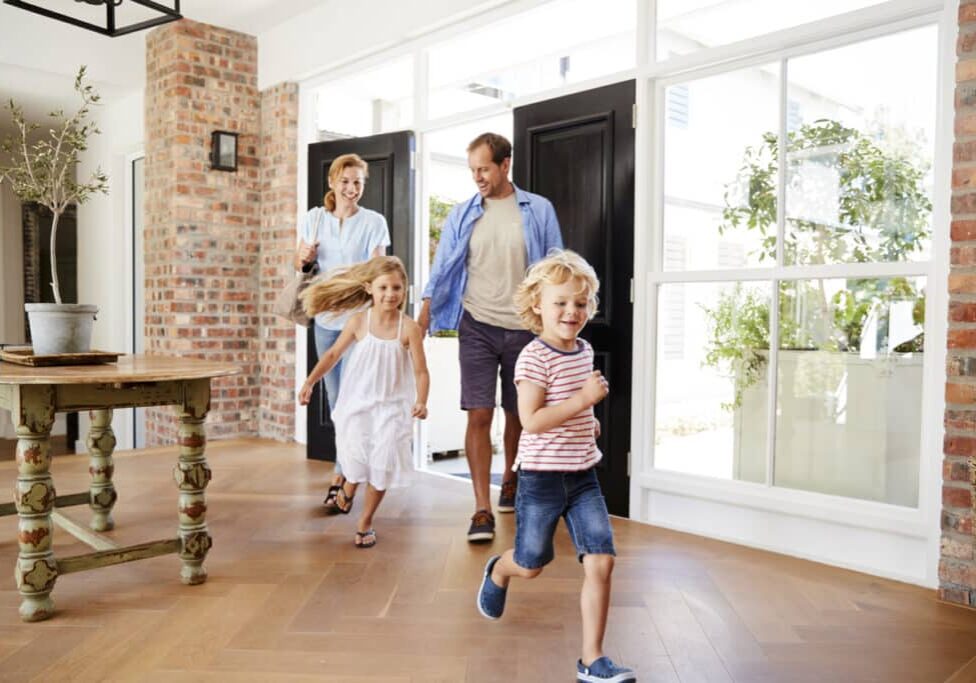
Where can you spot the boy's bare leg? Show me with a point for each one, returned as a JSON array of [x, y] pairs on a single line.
[[506, 568], [594, 604], [373, 499]]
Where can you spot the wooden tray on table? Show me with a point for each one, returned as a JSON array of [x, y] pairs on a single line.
[[24, 355]]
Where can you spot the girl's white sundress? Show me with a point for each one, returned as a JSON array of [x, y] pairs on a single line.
[[373, 424]]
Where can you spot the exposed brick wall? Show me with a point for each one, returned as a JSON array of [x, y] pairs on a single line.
[[957, 565], [279, 166], [202, 238]]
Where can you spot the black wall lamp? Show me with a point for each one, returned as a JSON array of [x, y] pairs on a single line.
[[169, 11], [223, 151]]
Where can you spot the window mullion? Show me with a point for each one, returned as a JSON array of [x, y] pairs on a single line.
[[772, 367]]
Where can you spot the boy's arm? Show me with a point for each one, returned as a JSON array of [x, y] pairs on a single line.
[[421, 376], [330, 358], [537, 417]]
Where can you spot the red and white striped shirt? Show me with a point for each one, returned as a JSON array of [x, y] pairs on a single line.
[[571, 446]]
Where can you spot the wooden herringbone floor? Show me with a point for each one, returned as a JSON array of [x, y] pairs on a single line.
[[290, 599]]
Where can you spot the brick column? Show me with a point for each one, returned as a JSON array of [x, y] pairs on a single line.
[[202, 237], [957, 566], [279, 178]]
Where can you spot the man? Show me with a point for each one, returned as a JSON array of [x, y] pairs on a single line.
[[486, 245]]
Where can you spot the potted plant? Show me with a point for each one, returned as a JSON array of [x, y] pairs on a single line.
[[42, 169], [845, 394]]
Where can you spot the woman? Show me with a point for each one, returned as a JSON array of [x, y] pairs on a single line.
[[339, 234]]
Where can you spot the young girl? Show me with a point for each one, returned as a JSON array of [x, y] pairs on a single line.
[[557, 389], [385, 381]]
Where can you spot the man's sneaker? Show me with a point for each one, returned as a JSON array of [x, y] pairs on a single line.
[[506, 499], [482, 527], [603, 670], [491, 598]]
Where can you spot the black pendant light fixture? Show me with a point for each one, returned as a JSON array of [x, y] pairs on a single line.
[[168, 11]]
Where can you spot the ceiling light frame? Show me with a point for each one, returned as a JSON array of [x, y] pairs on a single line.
[[110, 28]]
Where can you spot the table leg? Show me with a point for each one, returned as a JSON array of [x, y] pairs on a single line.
[[192, 476], [36, 569], [101, 445]]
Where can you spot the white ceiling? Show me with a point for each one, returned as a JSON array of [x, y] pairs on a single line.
[[39, 57]]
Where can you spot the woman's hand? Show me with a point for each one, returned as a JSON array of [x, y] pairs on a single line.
[[419, 411], [305, 395], [596, 429], [307, 252]]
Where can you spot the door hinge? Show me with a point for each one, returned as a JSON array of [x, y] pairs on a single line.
[[628, 464], [413, 160], [633, 115], [631, 290], [410, 294]]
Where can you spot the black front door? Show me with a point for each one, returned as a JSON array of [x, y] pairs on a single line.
[[578, 151], [389, 190]]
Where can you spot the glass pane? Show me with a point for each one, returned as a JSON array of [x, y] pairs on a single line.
[[560, 42], [378, 100], [861, 128], [686, 26], [714, 133], [850, 387], [712, 345]]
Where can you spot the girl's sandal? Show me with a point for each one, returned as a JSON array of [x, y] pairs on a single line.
[[343, 502], [330, 498], [365, 539]]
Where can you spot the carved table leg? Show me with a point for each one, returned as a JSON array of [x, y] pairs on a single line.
[[36, 569], [101, 445], [192, 476]]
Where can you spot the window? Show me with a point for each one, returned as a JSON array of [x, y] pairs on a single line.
[[844, 348], [377, 100], [686, 26], [559, 42]]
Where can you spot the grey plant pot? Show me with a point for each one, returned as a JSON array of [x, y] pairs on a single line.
[[60, 328]]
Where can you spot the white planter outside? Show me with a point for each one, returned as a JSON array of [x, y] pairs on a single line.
[[846, 426], [445, 418]]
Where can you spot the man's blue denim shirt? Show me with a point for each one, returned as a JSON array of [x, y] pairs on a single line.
[[449, 274]]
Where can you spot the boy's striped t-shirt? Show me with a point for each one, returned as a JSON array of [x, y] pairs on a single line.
[[571, 446]]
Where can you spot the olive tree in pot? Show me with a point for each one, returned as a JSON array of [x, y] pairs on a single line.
[[42, 169]]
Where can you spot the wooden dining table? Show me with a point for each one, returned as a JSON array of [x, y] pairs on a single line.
[[34, 394]]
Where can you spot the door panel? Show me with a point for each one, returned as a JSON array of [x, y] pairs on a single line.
[[389, 190], [578, 151]]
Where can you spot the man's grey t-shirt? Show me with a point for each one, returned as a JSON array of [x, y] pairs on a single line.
[[496, 264]]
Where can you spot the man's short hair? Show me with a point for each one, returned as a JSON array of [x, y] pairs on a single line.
[[499, 145]]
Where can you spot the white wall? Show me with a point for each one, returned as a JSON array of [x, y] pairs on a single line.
[[338, 31], [102, 247]]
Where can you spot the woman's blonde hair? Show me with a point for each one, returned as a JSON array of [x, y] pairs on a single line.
[[559, 266], [344, 289], [340, 164]]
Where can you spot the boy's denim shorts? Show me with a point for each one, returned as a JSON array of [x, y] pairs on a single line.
[[542, 498]]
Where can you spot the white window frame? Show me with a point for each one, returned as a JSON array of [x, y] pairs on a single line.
[[721, 509]]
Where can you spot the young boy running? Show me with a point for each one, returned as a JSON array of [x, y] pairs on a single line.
[[557, 389]]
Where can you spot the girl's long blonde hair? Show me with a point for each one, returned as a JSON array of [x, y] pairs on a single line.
[[344, 289], [340, 164]]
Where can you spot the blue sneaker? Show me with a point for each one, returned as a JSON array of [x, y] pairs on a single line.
[[603, 670], [491, 598]]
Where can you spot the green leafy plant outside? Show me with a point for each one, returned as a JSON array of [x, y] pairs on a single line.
[[883, 215]]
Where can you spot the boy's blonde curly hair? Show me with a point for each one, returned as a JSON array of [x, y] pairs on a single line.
[[559, 266]]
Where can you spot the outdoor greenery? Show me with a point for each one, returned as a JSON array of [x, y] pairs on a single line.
[[882, 215], [439, 208], [42, 167]]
